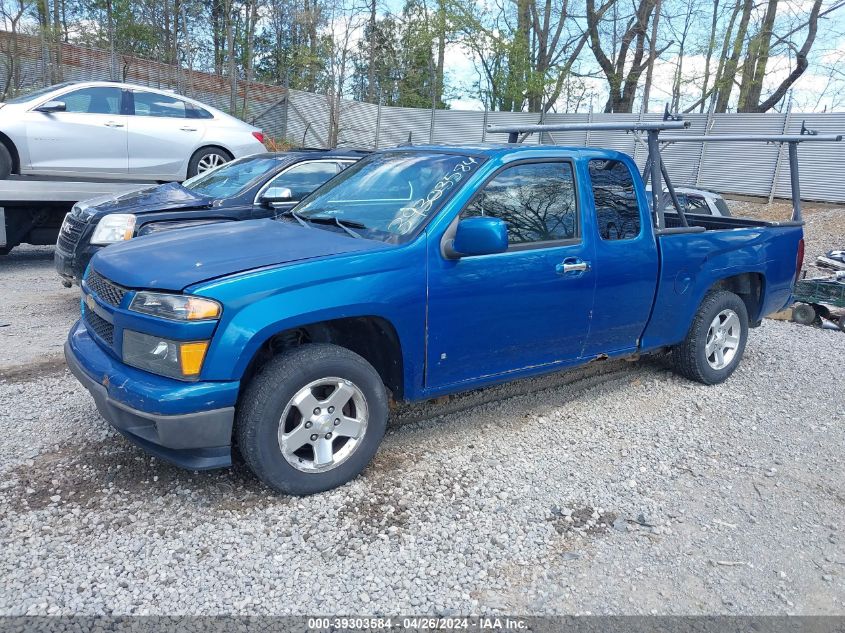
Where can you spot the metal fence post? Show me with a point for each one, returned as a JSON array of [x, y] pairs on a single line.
[[431, 128], [707, 124], [779, 160], [589, 120], [378, 119], [484, 125]]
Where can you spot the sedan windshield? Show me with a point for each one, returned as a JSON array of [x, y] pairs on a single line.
[[232, 178], [389, 195], [30, 96]]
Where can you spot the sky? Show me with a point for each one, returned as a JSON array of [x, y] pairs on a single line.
[[815, 91]]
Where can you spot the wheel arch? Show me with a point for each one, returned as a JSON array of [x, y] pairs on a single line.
[[13, 150], [750, 287], [205, 146], [372, 337]]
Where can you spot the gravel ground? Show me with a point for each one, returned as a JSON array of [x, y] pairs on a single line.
[[619, 488]]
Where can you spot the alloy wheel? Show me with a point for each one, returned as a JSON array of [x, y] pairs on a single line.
[[323, 424]]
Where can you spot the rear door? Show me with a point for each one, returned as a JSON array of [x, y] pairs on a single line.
[[164, 131], [494, 314], [88, 139], [626, 263]]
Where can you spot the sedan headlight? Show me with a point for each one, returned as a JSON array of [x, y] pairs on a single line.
[[175, 307], [175, 359], [115, 227]]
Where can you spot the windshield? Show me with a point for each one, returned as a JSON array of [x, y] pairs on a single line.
[[30, 96], [389, 195], [232, 178]]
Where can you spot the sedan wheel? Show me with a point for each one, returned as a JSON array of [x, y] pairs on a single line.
[[210, 161]]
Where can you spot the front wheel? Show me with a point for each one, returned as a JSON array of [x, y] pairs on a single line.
[[716, 339], [312, 419]]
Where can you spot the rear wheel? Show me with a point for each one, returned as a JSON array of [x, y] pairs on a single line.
[[716, 339], [312, 419], [5, 162], [207, 158]]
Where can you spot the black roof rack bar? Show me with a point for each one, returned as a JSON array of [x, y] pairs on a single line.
[[513, 131]]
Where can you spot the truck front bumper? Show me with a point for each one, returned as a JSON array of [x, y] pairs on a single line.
[[196, 440]]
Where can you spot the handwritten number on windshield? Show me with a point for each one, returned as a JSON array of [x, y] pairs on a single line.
[[409, 217]]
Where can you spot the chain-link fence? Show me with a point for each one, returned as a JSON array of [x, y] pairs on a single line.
[[312, 120]]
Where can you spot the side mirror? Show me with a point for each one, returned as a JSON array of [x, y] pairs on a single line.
[[479, 236], [52, 106], [276, 195]]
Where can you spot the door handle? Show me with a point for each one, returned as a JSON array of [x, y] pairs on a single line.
[[572, 265], [113, 124], [188, 129]]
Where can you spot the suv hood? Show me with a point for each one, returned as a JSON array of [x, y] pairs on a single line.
[[160, 198], [173, 260]]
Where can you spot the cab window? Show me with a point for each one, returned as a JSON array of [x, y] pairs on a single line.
[[536, 200], [617, 211]]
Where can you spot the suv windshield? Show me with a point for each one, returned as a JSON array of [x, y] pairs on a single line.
[[30, 96], [232, 178], [388, 195]]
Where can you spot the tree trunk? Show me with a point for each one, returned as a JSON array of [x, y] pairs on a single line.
[[230, 52], [711, 44], [756, 59], [371, 55], [649, 73], [725, 83]]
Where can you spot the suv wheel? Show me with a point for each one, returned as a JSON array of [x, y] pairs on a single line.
[[207, 158], [716, 339], [312, 419]]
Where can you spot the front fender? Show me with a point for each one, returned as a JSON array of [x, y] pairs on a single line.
[[387, 284]]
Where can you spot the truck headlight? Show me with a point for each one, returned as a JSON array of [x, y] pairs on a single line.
[[175, 307], [175, 359], [115, 227]]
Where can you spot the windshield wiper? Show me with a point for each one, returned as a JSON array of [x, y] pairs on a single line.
[[295, 216], [346, 225]]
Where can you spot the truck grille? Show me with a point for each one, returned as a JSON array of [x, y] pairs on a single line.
[[70, 232], [109, 292], [99, 326]]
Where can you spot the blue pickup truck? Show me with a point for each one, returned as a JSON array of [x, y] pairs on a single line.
[[417, 272]]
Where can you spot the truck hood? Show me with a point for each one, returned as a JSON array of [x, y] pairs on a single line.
[[160, 198], [173, 260]]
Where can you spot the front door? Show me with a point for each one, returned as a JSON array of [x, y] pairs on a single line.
[[493, 314], [88, 139]]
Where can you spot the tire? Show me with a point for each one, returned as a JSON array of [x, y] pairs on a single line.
[[804, 314], [271, 430], [5, 162], [206, 158], [694, 359]]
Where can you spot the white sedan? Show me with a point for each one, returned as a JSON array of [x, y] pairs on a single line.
[[103, 129]]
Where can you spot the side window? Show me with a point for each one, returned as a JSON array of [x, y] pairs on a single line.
[[536, 200], [304, 178], [95, 100], [617, 211], [196, 112], [153, 104]]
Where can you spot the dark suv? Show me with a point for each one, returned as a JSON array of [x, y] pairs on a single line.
[[258, 186]]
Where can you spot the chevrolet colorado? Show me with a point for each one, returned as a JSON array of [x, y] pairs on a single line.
[[417, 272]]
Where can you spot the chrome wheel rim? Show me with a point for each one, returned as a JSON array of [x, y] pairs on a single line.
[[723, 339], [210, 161], [323, 425]]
